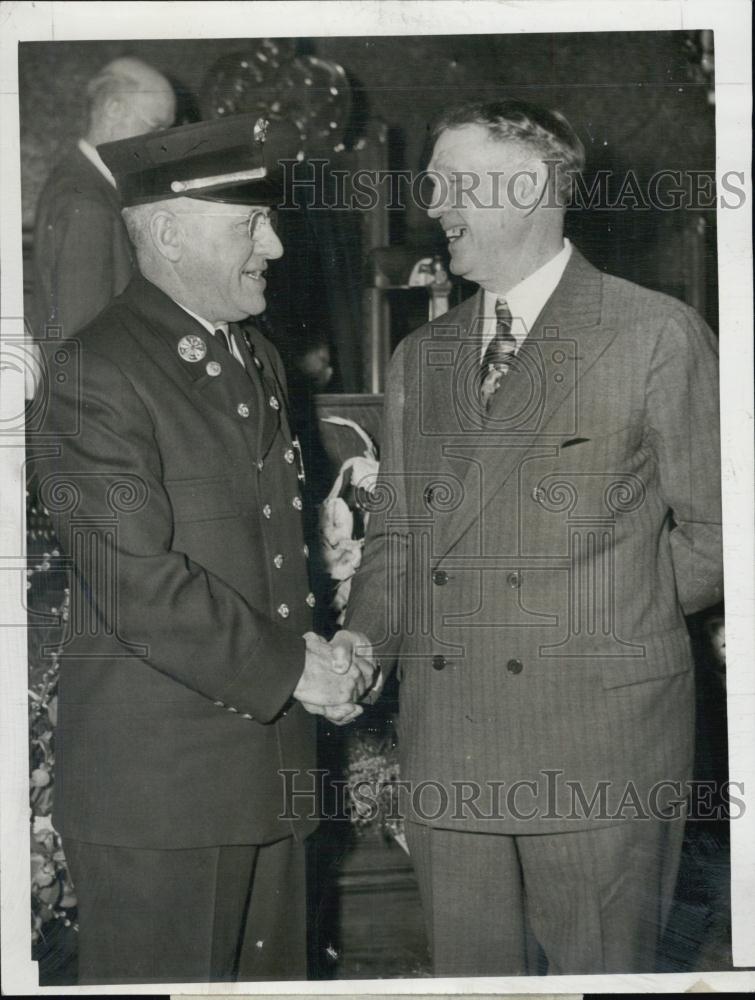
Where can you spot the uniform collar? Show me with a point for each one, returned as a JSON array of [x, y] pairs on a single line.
[[210, 327]]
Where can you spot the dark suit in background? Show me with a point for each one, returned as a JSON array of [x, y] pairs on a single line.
[[82, 254]]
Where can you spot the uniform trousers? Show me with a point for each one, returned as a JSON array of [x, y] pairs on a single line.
[[216, 913], [595, 900]]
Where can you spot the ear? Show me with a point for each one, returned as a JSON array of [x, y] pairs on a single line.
[[529, 185], [112, 109], [167, 235]]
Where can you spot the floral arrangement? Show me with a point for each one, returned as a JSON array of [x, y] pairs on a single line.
[[371, 752], [53, 900], [341, 548], [371, 774]]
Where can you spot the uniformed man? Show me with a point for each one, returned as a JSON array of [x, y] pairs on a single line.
[[190, 675]]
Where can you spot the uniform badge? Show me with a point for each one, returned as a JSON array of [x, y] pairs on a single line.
[[192, 347]]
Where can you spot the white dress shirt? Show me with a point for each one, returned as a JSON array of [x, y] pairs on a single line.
[[94, 157], [525, 300]]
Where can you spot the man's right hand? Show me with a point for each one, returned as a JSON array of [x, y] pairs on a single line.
[[329, 687]]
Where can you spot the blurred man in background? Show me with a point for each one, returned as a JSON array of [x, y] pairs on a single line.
[[82, 254]]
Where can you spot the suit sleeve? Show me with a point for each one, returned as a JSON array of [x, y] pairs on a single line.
[[683, 422], [193, 626], [82, 269], [377, 600]]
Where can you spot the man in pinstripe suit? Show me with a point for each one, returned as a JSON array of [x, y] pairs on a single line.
[[549, 512]]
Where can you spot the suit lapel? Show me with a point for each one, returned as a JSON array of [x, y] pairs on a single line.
[[175, 330], [566, 340], [84, 168]]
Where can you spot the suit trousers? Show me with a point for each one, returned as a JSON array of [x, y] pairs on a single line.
[[595, 900], [217, 913]]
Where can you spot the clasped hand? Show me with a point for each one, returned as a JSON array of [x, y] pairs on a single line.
[[337, 674]]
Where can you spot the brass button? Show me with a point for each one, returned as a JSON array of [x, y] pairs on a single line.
[[305, 550], [283, 610], [246, 715], [440, 578], [538, 494], [232, 709], [278, 561], [289, 456], [243, 410], [514, 580], [260, 464], [257, 362], [274, 404], [515, 666], [439, 662], [267, 511], [310, 599], [219, 704], [213, 368], [297, 504]]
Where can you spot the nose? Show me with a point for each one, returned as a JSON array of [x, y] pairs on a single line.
[[270, 245], [439, 196]]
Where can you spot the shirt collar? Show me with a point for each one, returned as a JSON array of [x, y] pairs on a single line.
[[94, 157], [527, 298], [210, 327]]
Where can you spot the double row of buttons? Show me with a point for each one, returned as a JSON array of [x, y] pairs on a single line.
[[441, 578], [296, 503], [514, 665], [284, 611], [243, 408]]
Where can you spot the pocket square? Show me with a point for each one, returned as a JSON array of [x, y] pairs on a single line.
[[571, 441]]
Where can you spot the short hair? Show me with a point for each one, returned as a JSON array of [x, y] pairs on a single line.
[[108, 83], [546, 132], [137, 220]]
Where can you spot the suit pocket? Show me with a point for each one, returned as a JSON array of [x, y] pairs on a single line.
[[201, 499], [666, 654]]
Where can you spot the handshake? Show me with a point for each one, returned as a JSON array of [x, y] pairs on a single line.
[[338, 674]]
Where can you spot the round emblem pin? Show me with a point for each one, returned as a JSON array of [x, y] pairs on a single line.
[[213, 368], [192, 347]]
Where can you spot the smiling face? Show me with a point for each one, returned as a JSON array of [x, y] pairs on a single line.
[[221, 268], [487, 234]]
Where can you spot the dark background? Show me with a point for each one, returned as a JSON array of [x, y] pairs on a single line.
[[638, 100]]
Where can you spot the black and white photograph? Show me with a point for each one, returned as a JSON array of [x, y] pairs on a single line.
[[377, 485]]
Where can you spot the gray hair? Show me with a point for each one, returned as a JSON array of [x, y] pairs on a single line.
[[547, 133], [137, 219]]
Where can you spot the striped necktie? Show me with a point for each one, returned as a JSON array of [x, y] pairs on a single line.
[[499, 354]]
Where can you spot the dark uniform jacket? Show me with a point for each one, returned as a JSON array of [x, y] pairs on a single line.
[[531, 568], [177, 494], [82, 253]]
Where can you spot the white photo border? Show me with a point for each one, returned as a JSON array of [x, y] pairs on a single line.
[[730, 20]]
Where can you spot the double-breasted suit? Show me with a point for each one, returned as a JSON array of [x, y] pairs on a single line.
[[176, 492], [530, 567]]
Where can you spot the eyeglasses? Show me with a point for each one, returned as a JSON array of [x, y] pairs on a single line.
[[258, 222]]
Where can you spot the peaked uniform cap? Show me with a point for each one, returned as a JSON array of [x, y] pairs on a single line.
[[236, 159]]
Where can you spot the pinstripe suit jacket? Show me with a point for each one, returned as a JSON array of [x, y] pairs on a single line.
[[530, 568]]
